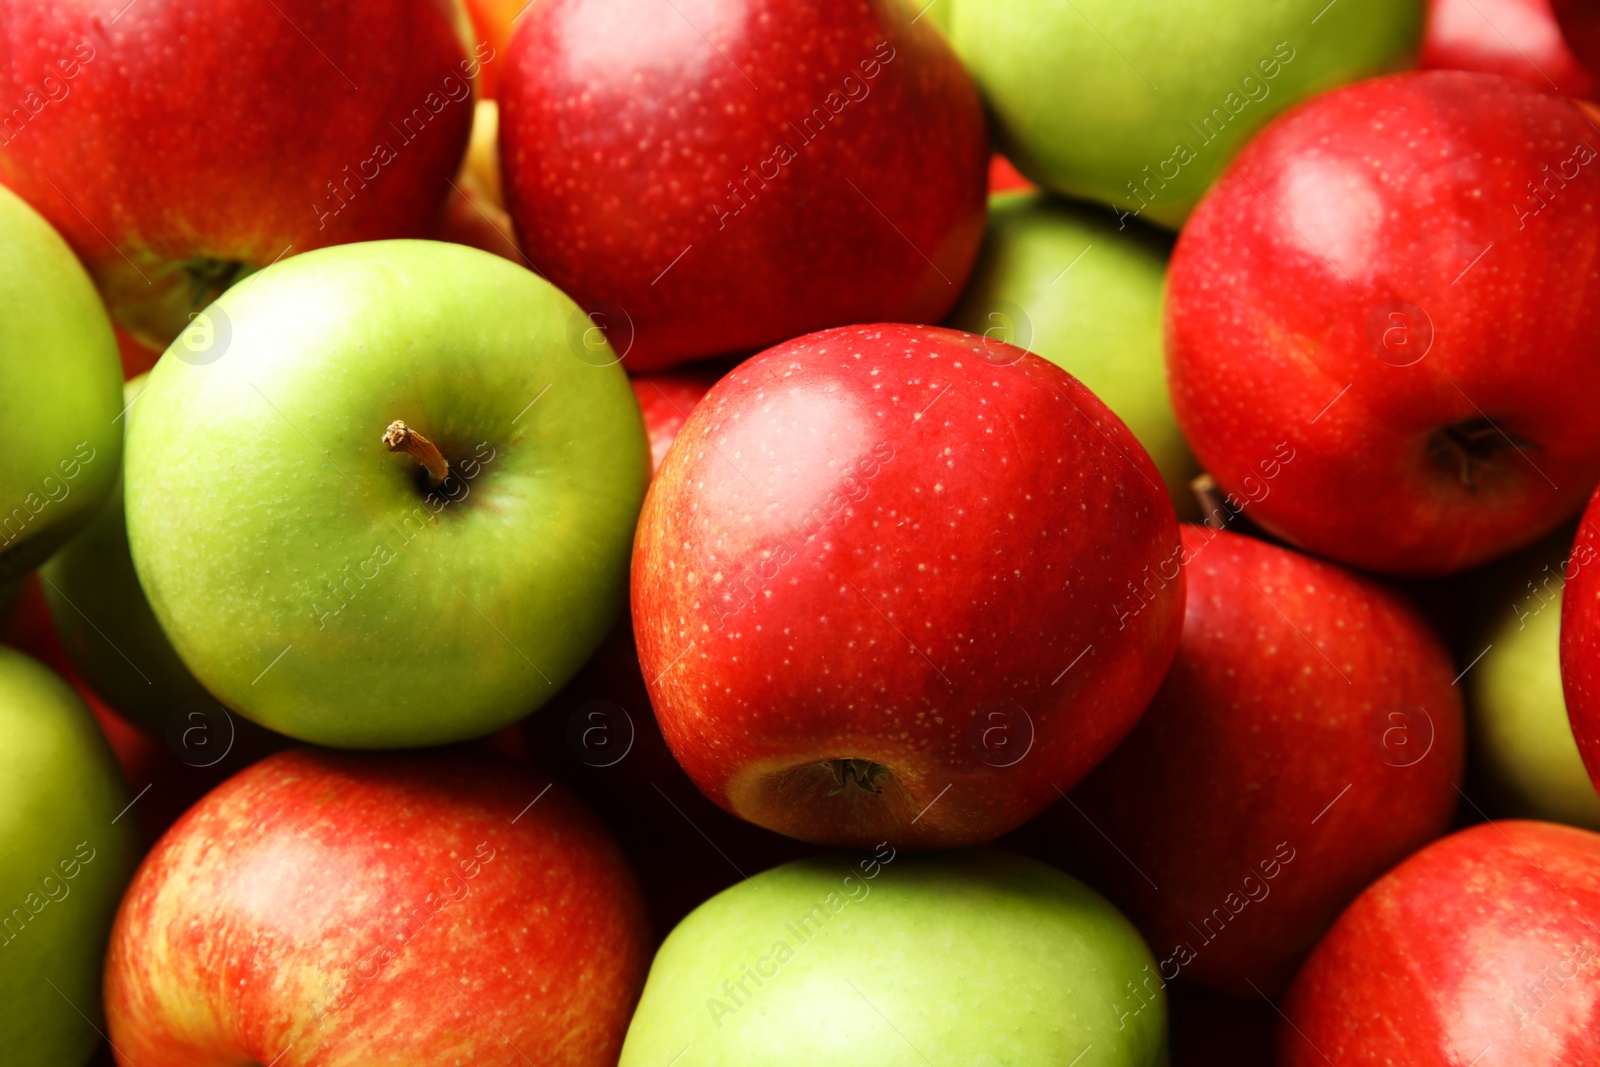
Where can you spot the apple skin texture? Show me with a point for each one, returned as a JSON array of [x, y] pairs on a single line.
[[335, 908], [1230, 793], [408, 619], [1095, 98], [170, 143], [826, 504], [1518, 38], [1580, 640], [629, 145], [65, 865], [1453, 952], [1326, 293], [60, 391], [1099, 321], [972, 957]]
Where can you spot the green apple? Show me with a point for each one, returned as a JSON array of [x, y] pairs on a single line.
[[1141, 103], [383, 495], [66, 853], [974, 958], [60, 391], [1065, 281], [1521, 741], [105, 623]]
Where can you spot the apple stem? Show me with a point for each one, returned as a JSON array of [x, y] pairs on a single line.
[[402, 438]]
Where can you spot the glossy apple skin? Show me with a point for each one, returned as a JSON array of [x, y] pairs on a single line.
[[1452, 953], [398, 617], [665, 400], [1518, 38], [973, 957], [60, 392], [1066, 281], [172, 174], [1093, 99], [335, 907], [1296, 314], [68, 851], [625, 139], [840, 496], [1296, 686], [1580, 640]]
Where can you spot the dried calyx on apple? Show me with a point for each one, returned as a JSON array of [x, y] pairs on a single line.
[[864, 773], [1471, 447]]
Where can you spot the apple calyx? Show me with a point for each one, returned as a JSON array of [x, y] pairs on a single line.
[[864, 773], [1466, 448], [402, 438]]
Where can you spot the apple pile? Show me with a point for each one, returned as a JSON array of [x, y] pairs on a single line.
[[711, 532]]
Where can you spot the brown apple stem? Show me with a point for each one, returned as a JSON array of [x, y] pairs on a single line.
[[402, 438], [1212, 501]]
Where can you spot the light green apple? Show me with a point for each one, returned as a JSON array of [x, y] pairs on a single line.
[[65, 856], [978, 958], [1067, 282], [307, 575], [1521, 741], [60, 391], [1141, 103], [105, 623]]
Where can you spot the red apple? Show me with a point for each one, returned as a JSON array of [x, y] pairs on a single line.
[[666, 400], [1580, 640], [599, 738], [178, 146], [1402, 280], [727, 174], [322, 908], [1481, 949], [1518, 38], [900, 582], [1004, 177], [1307, 738]]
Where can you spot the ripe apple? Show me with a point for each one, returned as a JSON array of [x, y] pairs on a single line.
[[1523, 750], [1426, 338], [492, 22], [728, 174], [665, 400], [1063, 281], [975, 957], [1580, 640], [1140, 105], [60, 381], [1480, 948], [884, 586], [337, 591], [179, 146], [1518, 38], [113, 641], [1306, 739], [324, 908], [599, 738], [68, 852]]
